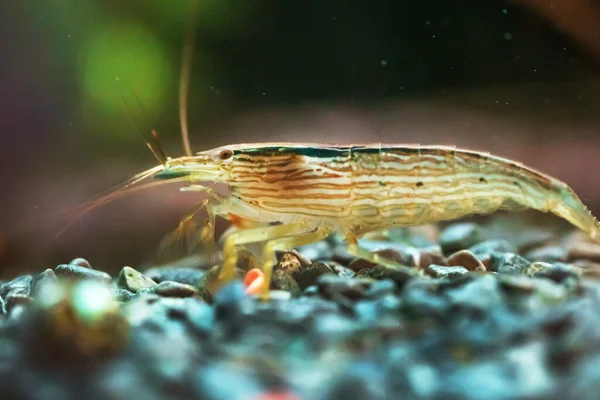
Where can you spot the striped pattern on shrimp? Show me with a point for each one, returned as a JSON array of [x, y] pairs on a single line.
[[383, 185]]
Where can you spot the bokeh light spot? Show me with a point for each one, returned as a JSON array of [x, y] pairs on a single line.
[[124, 62]]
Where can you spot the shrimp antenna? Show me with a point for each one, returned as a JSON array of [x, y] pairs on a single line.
[[154, 147], [184, 80]]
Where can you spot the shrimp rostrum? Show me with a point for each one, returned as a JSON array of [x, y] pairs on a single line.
[[301, 193]]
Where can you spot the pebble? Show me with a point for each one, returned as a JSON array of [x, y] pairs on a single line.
[[44, 278], [465, 258], [379, 272], [20, 285], [522, 330], [189, 276], [122, 294], [288, 263], [489, 247], [77, 272], [133, 280], [342, 271], [308, 275], [459, 236], [16, 299], [81, 262], [428, 256], [332, 286], [439, 271], [549, 254], [284, 281], [557, 273], [509, 263], [584, 251], [174, 289]]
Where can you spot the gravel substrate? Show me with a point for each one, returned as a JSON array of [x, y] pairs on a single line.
[[493, 311]]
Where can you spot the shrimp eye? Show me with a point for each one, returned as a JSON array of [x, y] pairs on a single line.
[[225, 154]]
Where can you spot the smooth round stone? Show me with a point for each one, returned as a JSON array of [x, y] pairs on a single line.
[[133, 280], [174, 289], [465, 258], [81, 262], [77, 272]]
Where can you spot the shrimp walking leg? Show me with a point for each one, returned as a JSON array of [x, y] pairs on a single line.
[[243, 237], [287, 243], [355, 250]]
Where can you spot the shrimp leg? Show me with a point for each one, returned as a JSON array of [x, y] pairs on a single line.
[[262, 234], [287, 243], [355, 250]]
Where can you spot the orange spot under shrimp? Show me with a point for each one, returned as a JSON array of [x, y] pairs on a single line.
[[240, 222], [254, 281]]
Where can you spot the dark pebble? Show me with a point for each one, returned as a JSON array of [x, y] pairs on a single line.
[[174, 289], [81, 262], [459, 236], [283, 281], [45, 278], [428, 256], [465, 258], [382, 272], [189, 276], [332, 286], [133, 280], [288, 263], [509, 263], [19, 285], [308, 275], [439, 271], [77, 272]]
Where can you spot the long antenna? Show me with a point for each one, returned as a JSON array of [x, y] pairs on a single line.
[[184, 81]]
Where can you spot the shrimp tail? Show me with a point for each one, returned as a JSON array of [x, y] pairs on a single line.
[[566, 204]]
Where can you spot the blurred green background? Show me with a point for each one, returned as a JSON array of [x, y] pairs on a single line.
[[81, 80]]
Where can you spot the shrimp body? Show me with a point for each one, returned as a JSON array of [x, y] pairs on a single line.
[[313, 190], [361, 188]]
